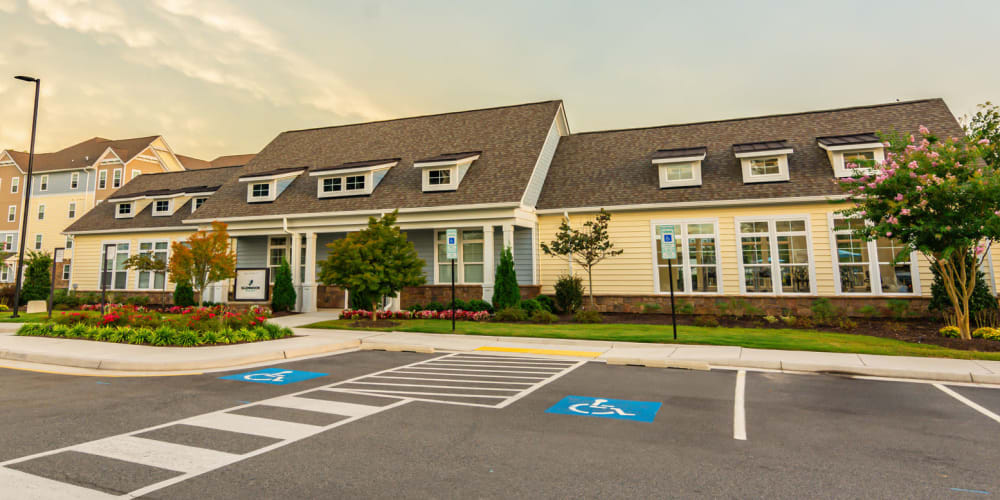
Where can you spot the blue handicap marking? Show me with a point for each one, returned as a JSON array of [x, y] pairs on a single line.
[[274, 376], [667, 238], [623, 409]]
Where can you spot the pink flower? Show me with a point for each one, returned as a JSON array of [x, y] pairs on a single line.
[[920, 188], [924, 130], [899, 196], [984, 142], [913, 175], [889, 233], [905, 211], [980, 250], [912, 139]]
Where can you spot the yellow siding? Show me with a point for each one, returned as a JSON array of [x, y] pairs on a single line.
[[55, 221], [86, 270], [168, 159], [632, 273]]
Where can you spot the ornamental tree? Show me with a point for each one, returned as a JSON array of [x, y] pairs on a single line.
[[587, 247], [376, 262], [985, 124], [203, 258], [938, 198]]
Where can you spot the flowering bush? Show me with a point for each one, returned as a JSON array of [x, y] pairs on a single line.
[[950, 331], [192, 318], [161, 336], [460, 315]]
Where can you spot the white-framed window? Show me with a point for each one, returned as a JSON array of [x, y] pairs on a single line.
[[5, 272], [260, 191], [344, 185], [11, 213], [66, 270], [15, 184], [43, 183], [116, 275], [441, 179], [41, 211], [277, 251], [123, 210], [74, 180], [8, 242], [764, 166], [162, 207], [197, 203], [69, 242], [469, 264], [136, 173], [102, 179], [698, 267], [116, 178], [775, 255], [861, 155], [38, 242], [870, 267], [438, 177], [153, 280], [72, 210]]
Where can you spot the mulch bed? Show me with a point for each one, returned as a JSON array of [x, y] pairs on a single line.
[[382, 323]]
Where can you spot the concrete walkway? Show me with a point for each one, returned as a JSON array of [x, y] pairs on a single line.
[[99, 357]]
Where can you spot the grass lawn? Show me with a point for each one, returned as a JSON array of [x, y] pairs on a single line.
[[788, 339]]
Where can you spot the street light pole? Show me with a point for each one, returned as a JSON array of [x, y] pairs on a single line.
[[27, 197]]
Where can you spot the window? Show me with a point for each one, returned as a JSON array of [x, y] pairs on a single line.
[[762, 240], [277, 252], [5, 273], [72, 210], [15, 184], [102, 179], [43, 183], [198, 202], [470, 257], [116, 178], [153, 280], [11, 213], [697, 248], [74, 180], [69, 243], [260, 191], [41, 212], [764, 166], [65, 273], [859, 158], [354, 183], [8, 242], [679, 172], [116, 276], [343, 185], [136, 173], [124, 210], [38, 242], [161, 207], [332, 185], [438, 177], [870, 266], [768, 165]]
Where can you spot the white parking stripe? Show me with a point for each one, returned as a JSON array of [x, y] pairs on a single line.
[[420, 393], [969, 402], [529, 372], [324, 406], [41, 488], [170, 456], [452, 374], [437, 386], [252, 425], [739, 407], [521, 361], [505, 367], [452, 380]]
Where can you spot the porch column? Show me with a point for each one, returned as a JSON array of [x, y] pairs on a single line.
[[508, 237], [308, 296], [489, 267], [295, 262]]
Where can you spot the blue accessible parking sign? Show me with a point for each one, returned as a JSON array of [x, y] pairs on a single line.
[[622, 409], [274, 376]]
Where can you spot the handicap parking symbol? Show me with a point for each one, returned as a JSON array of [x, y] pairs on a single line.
[[622, 409], [274, 376]]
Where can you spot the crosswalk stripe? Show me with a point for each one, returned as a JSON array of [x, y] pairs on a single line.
[[440, 386], [454, 380], [516, 361], [453, 374], [352, 389], [324, 406], [252, 425], [545, 369], [40, 488], [535, 372], [176, 457]]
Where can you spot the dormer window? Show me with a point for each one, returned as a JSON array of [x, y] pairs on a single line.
[[197, 203], [260, 191], [850, 153], [123, 210], [763, 161], [356, 178], [267, 186], [679, 167], [445, 172], [162, 207]]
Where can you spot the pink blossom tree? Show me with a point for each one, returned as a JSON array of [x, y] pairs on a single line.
[[937, 197]]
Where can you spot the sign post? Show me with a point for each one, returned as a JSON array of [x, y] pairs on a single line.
[[109, 254], [668, 251], [451, 236], [57, 258]]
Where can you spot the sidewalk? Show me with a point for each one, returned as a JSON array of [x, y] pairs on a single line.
[[101, 356]]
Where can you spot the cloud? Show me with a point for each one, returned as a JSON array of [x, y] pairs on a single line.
[[101, 18], [8, 6]]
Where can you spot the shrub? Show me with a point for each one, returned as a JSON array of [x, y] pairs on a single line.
[[458, 304], [283, 298], [897, 307], [993, 334], [436, 306], [137, 300], [846, 323], [685, 307], [723, 306], [546, 302], [950, 331], [823, 311], [511, 314], [980, 333], [505, 291], [770, 319], [479, 305], [788, 320], [869, 311], [415, 308], [569, 293], [37, 277], [650, 307], [530, 306], [544, 317], [706, 321], [588, 316], [805, 323], [982, 298], [183, 295]]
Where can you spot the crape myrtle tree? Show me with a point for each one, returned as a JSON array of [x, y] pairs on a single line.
[[203, 258], [937, 197], [376, 262], [587, 247], [985, 124]]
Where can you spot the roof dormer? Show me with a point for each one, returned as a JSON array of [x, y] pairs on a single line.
[[357, 178], [263, 187], [863, 150], [763, 161], [444, 172], [679, 167]]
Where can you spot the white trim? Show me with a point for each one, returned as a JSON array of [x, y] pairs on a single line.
[[344, 171], [15, 187], [11, 217], [775, 265], [119, 175], [769, 152], [747, 166], [148, 158], [43, 183], [74, 177], [103, 255], [274, 177], [135, 173], [367, 174], [194, 202], [71, 210], [376, 211], [695, 179], [39, 241], [446, 163], [840, 165], [851, 147], [119, 215], [683, 261], [874, 273], [138, 250], [690, 204], [680, 159], [41, 211], [163, 213], [135, 230], [160, 196], [272, 189], [460, 261], [5, 152], [425, 179], [102, 178]]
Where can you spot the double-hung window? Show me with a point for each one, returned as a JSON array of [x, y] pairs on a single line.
[[15, 183], [102, 179], [38, 242], [277, 252], [872, 267], [5, 273], [11, 213], [72, 210], [696, 269], [116, 178], [116, 274], [153, 280], [469, 264], [8, 242], [66, 271], [43, 183], [775, 256], [74, 180], [69, 242], [41, 212]]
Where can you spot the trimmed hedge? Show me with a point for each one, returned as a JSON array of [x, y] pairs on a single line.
[[163, 335]]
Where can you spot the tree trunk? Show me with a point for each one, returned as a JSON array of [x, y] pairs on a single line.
[[374, 312], [954, 270], [590, 287]]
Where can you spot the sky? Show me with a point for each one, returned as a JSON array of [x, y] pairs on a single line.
[[218, 77]]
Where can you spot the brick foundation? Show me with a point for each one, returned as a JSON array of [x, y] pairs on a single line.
[[438, 293], [709, 304], [329, 297]]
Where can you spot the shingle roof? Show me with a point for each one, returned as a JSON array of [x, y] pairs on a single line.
[[662, 154], [83, 154], [614, 167], [102, 217], [356, 164], [510, 139], [232, 160], [755, 147], [844, 140], [277, 171], [450, 157], [192, 163]]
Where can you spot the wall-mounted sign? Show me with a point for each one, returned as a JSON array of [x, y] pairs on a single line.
[[251, 284], [451, 237]]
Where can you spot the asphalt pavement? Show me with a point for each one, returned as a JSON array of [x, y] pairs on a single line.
[[461, 425]]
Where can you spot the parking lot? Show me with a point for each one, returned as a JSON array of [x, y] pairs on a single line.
[[457, 425]]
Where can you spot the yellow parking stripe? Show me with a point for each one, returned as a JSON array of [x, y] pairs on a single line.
[[551, 352]]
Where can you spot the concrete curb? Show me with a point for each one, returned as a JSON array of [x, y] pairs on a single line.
[[877, 372], [660, 363], [51, 359], [381, 346]]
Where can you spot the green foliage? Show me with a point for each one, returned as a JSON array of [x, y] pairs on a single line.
[[985, 124], [950, 331], [530, 306], [587, 247], [993, 334], [569, 293], [505, 291], [981, 332], [543, 317], [137, 300], [37, 277], [588, 316], [706, 321], [478, 305], [845, 323], [982, 298], [650, 307], [458, 304], [823, 311], [897, 308], [164, 335], [511, 314], [357, 299], [770, 319], [685, 307], [546, 302], [436, 306], [868, 311], [184, 295], [283, 297], [416, 307], [375, 262]]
